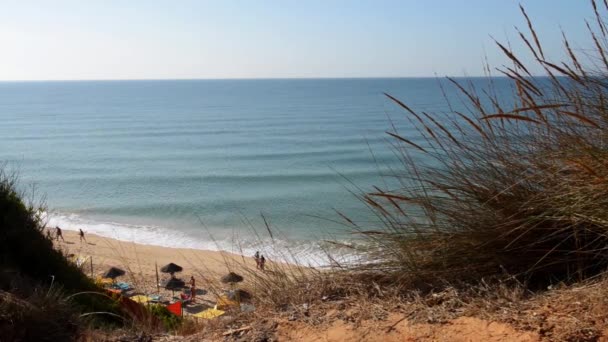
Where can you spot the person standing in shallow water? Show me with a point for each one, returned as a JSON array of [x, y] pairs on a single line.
[[257, 259], [58, 233], [81, 233]]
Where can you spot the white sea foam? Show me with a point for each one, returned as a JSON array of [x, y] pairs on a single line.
[[304, 252]]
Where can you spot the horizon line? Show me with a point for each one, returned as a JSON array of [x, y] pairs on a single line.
[[252, 78]]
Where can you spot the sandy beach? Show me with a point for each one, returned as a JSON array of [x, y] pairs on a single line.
[[139, 262]]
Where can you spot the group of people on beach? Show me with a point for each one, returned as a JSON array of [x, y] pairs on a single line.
[[260, 261], [59, 234]]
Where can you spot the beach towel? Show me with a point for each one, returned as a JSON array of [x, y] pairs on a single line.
[[175, 308], [103, 281], [114, 293], [121, 286], [209, 314], [155, 298], [186, 298], [223, 302], [140, 299]]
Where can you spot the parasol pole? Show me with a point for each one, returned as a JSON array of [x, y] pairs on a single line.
[[92, 274], [157, 280], [238, 298]]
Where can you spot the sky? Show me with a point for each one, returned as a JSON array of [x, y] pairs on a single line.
[[196, 39]]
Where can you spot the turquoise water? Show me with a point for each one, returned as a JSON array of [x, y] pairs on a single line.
[[188, 163]]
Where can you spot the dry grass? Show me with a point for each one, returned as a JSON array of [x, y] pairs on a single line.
[[508, 188], [44, 315]]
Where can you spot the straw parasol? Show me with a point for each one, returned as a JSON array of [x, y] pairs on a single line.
[[174, 284], [171, 268], [113, 273], [232, 278]]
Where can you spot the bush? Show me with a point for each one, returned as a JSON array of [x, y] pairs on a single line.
[[170, 321], [24, 248], [36, 280]]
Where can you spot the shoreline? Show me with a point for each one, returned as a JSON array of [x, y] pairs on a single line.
[[300, 251]]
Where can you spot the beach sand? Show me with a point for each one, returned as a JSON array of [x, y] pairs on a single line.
[[139, 262], [208, 266]]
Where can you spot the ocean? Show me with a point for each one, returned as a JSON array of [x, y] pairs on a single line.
[[196, 163]]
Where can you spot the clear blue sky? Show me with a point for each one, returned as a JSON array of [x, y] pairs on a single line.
[[150, 39]]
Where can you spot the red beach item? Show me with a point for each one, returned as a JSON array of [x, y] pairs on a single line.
[[175, 308]]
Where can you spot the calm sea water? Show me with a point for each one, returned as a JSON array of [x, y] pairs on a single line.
[[194, 163]]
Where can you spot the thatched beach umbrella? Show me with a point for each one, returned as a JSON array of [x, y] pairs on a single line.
[[171, 268], [232, 278], [113, 273], [240, 295], [174, 284]]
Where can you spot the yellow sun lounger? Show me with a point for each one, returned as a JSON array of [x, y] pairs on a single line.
[[209, 314], [140, 299]]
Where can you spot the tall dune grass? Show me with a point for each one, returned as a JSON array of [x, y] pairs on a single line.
[[519, 190]]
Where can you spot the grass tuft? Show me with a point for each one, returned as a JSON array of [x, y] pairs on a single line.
[[509, 188]]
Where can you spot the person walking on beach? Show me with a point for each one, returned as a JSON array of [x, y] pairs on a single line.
[[81, 233], [192, 288], [58, 234], [262, 262], [257, 259]]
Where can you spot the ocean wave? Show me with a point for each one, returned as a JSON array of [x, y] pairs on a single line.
[[253, 178], [314, 253]]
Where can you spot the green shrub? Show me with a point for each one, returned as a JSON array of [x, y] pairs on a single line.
[[37, 278], [25, 249], [170, 321]]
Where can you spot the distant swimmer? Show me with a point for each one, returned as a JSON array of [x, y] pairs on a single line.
[[81, 233], [58, 234]]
